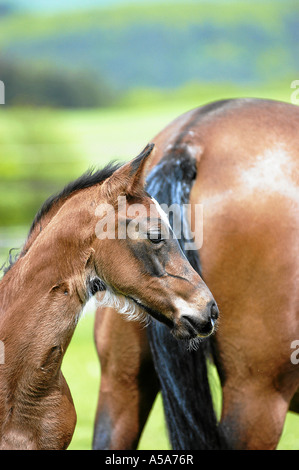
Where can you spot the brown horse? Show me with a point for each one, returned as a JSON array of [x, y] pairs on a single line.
[[246, 152], [70, 255]]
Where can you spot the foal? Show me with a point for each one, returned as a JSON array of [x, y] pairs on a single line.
[[73, 251]]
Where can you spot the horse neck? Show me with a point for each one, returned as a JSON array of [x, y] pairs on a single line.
[[41, 225], [41, 298], [35, 330], [35, 337]]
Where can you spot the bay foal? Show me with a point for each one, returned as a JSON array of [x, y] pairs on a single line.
[[69, 256]]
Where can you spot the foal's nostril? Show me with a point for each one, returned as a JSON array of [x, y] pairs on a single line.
[[207, 328], [203, 324], [214, 312], [196, 326], [191, 323]]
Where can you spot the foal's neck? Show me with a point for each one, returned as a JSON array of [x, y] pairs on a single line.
[[41, 298], [40, 304], [44, 292]]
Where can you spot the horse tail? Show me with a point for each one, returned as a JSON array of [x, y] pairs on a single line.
[[183, 373]]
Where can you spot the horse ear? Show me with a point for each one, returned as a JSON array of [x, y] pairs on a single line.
[[130, 178], [138, 169]]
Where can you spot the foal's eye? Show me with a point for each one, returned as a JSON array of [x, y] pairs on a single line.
[[155, 237]]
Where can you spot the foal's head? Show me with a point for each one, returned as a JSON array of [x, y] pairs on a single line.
[[105, 235], [136, 264]]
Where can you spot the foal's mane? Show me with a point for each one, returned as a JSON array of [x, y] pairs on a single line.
[[88, 179]]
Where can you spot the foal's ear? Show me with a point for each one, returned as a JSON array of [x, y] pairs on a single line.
[[138, 169], [130, 178]]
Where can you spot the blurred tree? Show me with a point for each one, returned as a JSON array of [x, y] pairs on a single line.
[[6, 9], [35, 84], [37, 158]]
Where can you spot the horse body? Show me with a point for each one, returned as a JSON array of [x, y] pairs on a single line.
[[249, 189], [247, 180], [250, 261]]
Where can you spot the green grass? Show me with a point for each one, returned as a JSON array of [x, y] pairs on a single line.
[[82, 372], [41, 150]]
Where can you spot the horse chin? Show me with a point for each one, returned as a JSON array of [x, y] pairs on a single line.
[[184, 334], [135, 310], [125, 305], [151, 312], [132, 308]]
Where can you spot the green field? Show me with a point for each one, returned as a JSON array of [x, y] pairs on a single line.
[[82, 372], [42, 149], [159, 44], [39, 152]]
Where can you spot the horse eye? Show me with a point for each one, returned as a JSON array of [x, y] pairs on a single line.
[[155, 237]]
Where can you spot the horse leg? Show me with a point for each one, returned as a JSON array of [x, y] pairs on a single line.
[[129, 383], [258, 383], [253, 417]]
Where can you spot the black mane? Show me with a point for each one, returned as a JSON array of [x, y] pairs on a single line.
[[88, 179]]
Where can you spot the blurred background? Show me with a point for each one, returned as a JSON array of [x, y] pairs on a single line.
[[87, 81]]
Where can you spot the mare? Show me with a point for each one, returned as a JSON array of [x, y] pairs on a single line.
[[72, 252], [239, 160]]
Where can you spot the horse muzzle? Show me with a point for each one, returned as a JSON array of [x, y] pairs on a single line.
[[194, 323]]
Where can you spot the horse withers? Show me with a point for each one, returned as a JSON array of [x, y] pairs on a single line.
[[69, 256], [246, 155]]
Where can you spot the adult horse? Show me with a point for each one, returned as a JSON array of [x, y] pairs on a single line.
[[239, 160], [72, 252]]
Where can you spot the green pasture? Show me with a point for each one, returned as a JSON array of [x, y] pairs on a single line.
[[40, 151], [82, 371]]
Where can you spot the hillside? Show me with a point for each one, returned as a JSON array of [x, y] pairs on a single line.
[[162, 45]]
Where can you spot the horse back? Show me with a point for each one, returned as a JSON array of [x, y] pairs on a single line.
[[247, 184]]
